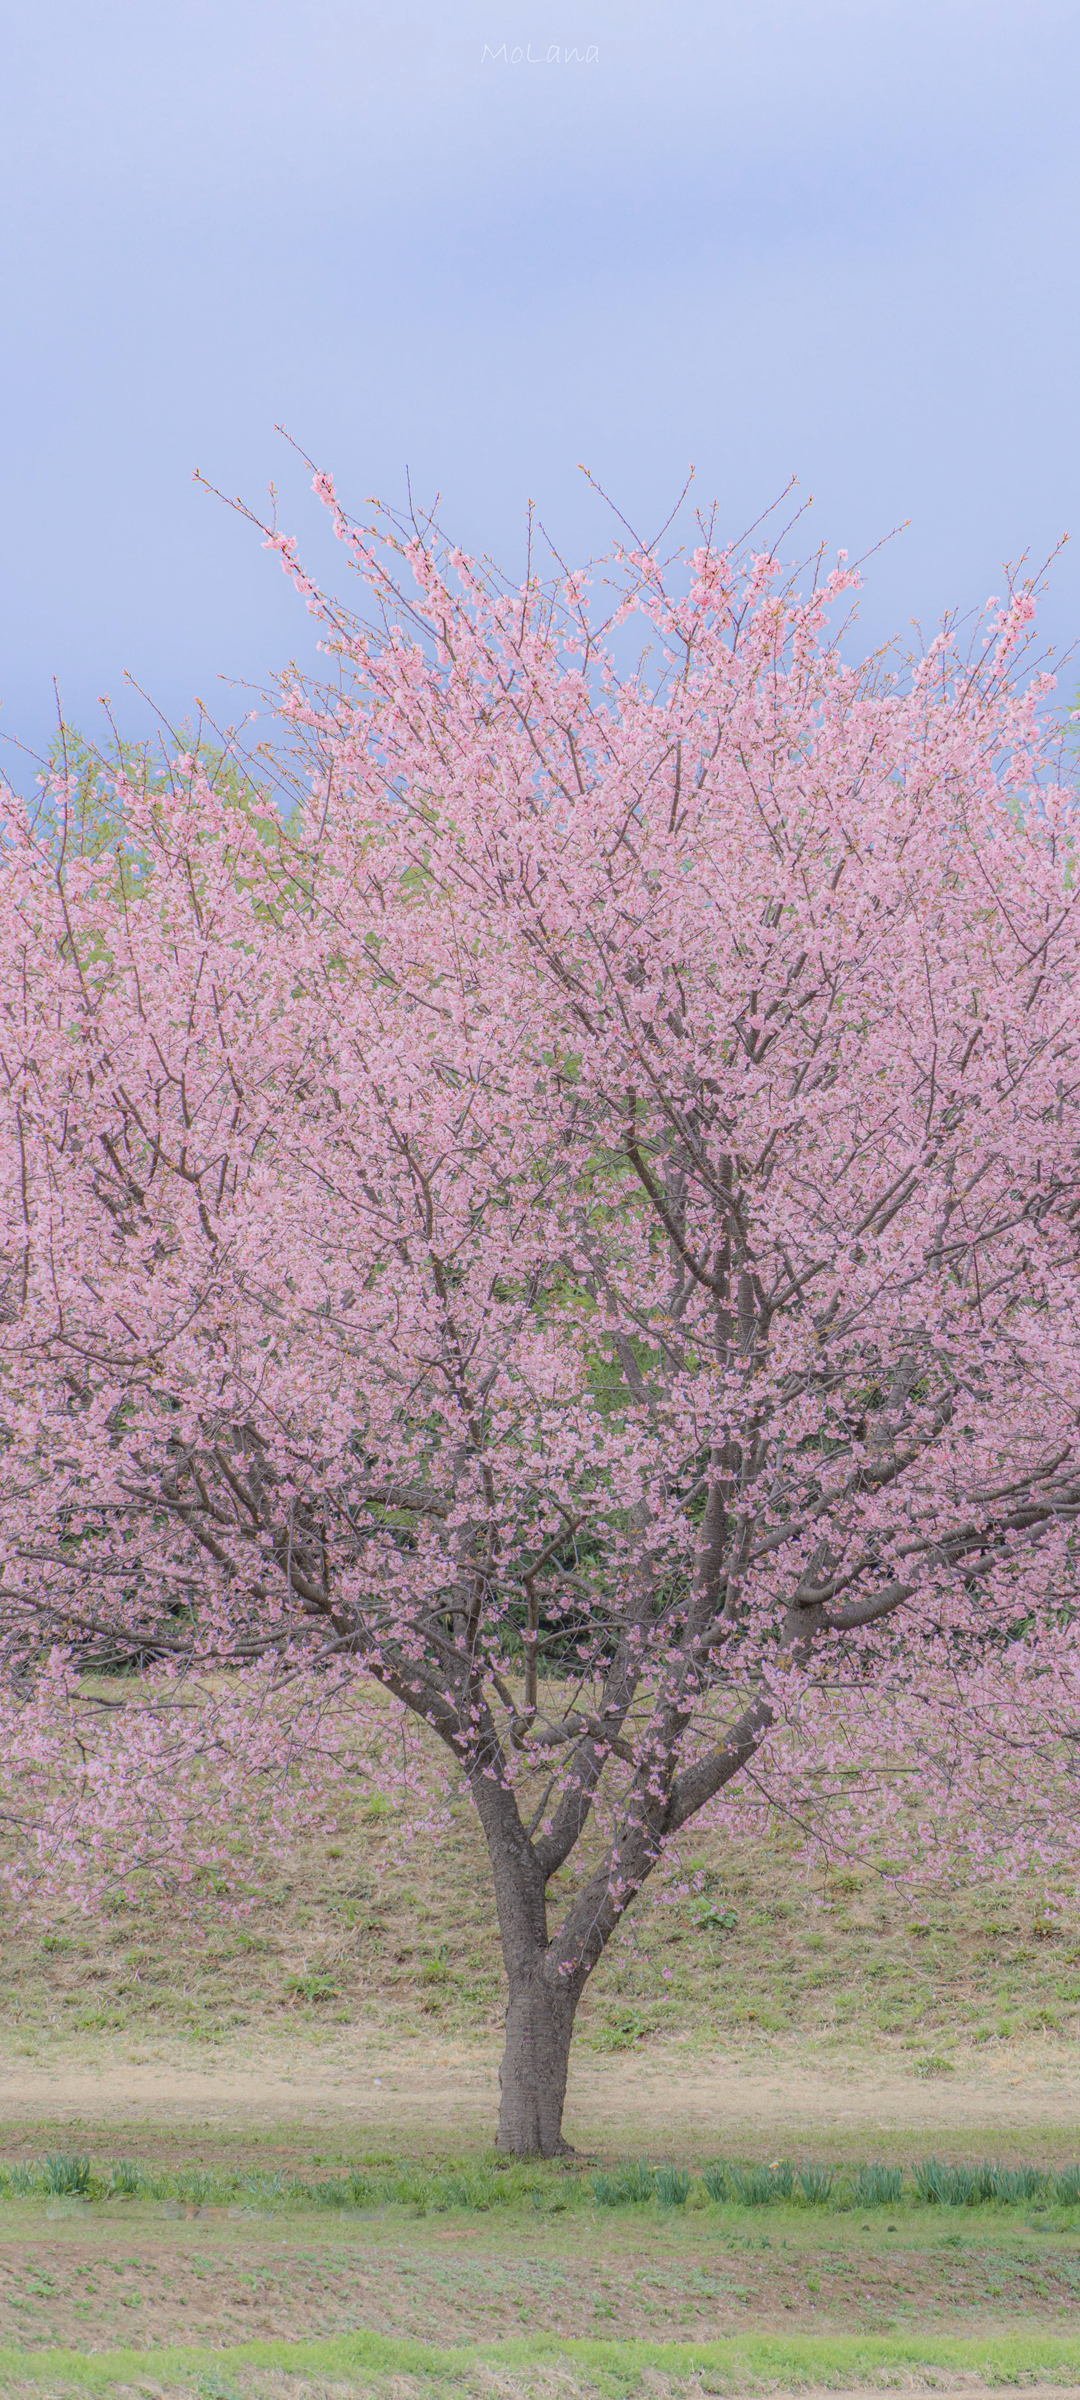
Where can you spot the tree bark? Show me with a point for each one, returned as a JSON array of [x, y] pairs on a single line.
[[532, 2077]]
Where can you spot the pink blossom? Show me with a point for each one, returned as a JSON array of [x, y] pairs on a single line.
[[573, 1224]]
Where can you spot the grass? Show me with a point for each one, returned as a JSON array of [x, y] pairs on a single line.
[[370, 2363], [700, 2273], [484, 2251], [742, 1947], [480, 2187]]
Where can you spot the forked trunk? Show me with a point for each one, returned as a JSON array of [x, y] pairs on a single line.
[[539, 2026]]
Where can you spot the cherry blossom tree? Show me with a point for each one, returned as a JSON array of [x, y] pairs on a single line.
[[575, 1220]]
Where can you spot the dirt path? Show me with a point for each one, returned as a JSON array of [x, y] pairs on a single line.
[[441, 2096]]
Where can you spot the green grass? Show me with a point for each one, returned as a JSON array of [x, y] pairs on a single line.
[[369, 2361], [455, 2269], [484, 2185], [740, 1953], [736, 1944]]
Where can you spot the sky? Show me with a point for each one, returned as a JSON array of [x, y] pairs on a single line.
[[467, 247]]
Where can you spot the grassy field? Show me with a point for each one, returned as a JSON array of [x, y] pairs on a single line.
[[210, 2077], [743, 1946], [448, 2279]]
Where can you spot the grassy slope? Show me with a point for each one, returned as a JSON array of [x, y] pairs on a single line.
[[371, 1930]]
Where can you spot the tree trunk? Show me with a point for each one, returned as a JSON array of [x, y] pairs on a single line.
[[532, 2077]]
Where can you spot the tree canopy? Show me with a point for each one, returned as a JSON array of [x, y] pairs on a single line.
[[578, 1223]]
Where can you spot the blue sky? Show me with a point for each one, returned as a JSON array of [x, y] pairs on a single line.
[[834, 238]]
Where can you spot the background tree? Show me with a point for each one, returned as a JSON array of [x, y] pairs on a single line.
[[579, 1225]]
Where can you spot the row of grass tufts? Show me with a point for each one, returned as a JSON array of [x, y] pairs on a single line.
[[874, 2186], [729, 2182], [72, 2177]]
